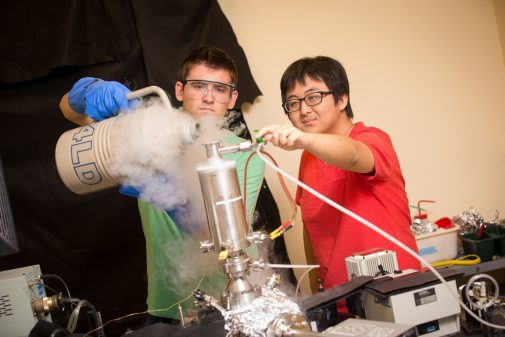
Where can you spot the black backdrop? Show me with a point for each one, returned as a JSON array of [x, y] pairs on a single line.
[[94, 242]]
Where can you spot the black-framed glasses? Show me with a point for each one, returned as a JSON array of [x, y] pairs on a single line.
[[314, 98], [197, 89]]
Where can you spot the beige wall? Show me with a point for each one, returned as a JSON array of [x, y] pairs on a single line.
[[499, 10], [431, 73]]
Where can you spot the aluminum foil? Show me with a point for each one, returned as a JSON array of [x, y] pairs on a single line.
[[469, 221], [423, 226], [253, 319]]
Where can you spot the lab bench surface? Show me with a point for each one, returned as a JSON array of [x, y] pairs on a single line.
[[484, 267]]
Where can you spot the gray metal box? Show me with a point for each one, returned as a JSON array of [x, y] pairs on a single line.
[[433, 305], [18, 287], [353, 327]]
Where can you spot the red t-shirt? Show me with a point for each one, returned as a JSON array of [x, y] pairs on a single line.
[[378, 197]]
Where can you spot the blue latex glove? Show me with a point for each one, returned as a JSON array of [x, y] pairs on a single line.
[[129, 191], [99, 99]]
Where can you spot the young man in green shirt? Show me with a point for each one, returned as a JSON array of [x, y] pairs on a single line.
[[206, 86]]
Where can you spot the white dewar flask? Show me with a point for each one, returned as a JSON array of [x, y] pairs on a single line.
[[84, 155]]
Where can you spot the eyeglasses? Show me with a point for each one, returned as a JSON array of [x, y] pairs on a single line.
[[314, 98], [197, 89]]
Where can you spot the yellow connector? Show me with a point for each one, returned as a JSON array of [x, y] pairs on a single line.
[[223, 255]]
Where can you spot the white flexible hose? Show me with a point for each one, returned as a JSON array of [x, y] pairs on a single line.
[[491, 301], [378, 230]]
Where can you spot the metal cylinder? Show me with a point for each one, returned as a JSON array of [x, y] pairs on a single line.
[[223, 205], [287, 324], [84, 155], [45, 304]]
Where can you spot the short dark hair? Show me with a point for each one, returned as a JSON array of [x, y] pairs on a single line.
[[212, 57], [320, 68]]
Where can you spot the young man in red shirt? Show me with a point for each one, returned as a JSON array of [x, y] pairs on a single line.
[[350, 163]]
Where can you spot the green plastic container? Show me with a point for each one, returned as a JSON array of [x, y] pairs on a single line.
[[492, 243]]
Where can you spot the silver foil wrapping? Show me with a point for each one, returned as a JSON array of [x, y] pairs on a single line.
[[423, 226], [469, 221], [253, 319]]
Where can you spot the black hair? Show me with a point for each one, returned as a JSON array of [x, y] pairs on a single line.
[[320, 68]]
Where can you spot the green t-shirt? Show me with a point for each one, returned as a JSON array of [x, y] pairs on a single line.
[[175, 263]]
